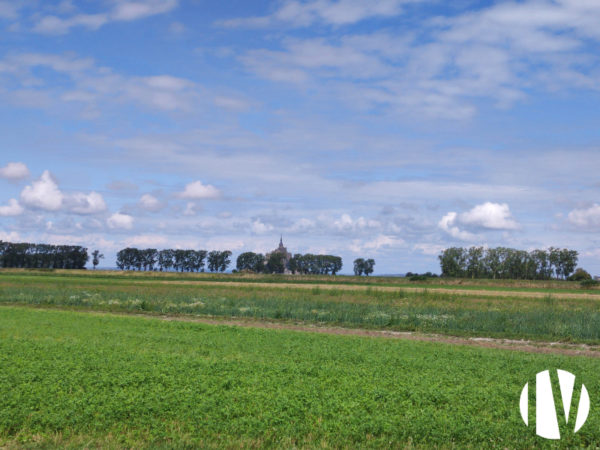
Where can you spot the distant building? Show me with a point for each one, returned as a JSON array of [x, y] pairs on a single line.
[[286, 255]]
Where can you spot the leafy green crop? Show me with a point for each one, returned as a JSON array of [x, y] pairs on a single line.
[[72, 379]]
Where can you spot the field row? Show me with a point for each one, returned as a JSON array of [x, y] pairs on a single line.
[[549, 318]]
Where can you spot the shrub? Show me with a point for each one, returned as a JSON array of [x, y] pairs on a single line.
[[580, 275]]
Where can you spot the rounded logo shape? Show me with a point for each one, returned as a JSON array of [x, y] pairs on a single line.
[[546, 418]]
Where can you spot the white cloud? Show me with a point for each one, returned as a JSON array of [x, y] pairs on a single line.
[[447, 224], [90, 86], [13, 236], [122, 11], [345, 223], [488, 215], [14, 171], [56, 25], [373, 245], [147, 241], [429, 249], [9, 9], [332, 12], [196, 190], [43, 194], [120, 221], [12, 209], [150, 203], [586, 217], [133, 10], [495, 216], [259, 227], [81, 203]]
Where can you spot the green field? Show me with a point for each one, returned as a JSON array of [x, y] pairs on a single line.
[[549, 317], [73, 374], [81, 380]]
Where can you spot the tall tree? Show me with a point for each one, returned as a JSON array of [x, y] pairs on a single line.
[[96, 257]]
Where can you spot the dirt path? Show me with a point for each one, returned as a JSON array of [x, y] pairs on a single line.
[[354, 287], [557, 348]]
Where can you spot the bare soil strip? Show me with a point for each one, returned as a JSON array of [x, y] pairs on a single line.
[[354, 287], [556, 348]]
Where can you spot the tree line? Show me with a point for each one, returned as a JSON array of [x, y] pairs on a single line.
[[508, 263], [170, 259], [42, 256], [299, 263]]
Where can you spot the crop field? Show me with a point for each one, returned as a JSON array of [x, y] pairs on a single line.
[[86, 380], [558, 315], [121, 361]]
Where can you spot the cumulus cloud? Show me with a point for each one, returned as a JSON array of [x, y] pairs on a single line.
[[150, 203], [259, 227], [43, 194], [495, 216], [197, 191], [488, 215], [14, 171], [12, 209], [346, 223], [120, 221], [586, 217], [448, 225], [81, 203], [13, 236]]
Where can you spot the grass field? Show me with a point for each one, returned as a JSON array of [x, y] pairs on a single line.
[[81, 380], [549, 317], [74, 374]]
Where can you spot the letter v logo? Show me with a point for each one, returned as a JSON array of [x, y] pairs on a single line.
[[546, 419]]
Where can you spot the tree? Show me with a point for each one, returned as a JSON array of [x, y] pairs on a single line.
[[359, 266], [369, 265], [250, 261], [276, 263], [96, 257], [218, 261]]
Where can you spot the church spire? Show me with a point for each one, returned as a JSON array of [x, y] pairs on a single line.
[[281, 240]]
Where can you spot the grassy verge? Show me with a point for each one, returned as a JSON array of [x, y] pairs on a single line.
[[77, 380]]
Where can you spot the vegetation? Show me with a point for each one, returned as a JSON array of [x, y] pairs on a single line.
[[219, 261], [96, 257], [77, 380], [178, 260], [42, 256], [307, 264], [547, 317], [580, 275], [363, 266], [501, 262]]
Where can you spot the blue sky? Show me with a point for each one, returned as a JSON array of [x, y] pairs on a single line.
[[389, 129]]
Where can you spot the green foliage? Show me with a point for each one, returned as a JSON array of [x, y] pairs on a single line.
[[42, 256], [589, 284], [580, 275], [363, 266], [415, 310], [507, 263], [86, 381], [251, 262], [275, 263]]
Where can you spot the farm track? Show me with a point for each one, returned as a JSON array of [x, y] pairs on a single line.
[[354, 287], [556, 348]]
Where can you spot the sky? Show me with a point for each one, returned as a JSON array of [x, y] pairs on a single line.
[[387, 129]]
